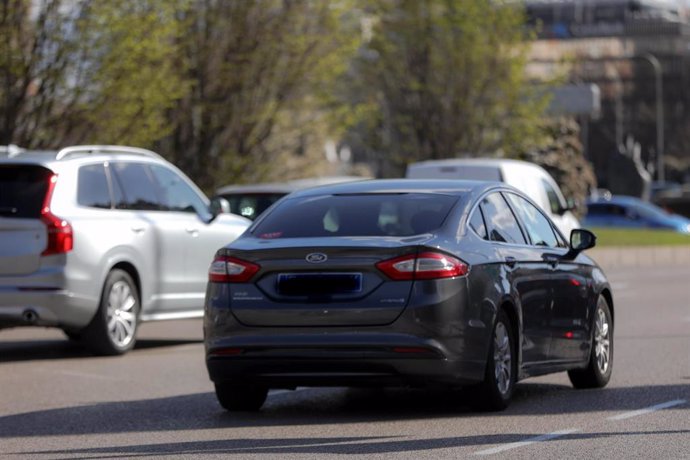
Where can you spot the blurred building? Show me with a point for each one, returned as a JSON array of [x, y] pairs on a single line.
[[638, 54]]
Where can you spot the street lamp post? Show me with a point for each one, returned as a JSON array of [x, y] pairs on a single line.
[[659, 94]]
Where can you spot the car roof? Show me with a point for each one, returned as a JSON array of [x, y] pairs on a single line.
[[78, 153], [286, 186], [440, 186], [495, 162]]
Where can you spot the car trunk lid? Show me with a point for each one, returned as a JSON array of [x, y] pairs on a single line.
[[334, 283]]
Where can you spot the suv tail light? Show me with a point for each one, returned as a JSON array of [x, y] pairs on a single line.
[[226, 269], [60, 238], [423, 266]]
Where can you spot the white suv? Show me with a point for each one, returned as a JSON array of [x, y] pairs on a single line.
[[95, 239]]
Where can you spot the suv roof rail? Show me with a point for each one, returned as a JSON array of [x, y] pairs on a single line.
[[10, 150], [96, 149]]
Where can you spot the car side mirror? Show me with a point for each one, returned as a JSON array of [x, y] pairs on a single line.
[[581, 239], [219, 205]]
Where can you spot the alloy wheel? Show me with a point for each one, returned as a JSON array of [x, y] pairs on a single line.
[[502, 358], [121, 314], [602, 341]]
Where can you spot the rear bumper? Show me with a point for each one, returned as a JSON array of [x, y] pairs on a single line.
[[405, 364], [44, 308], [282, 358], [46, 297], [364, 372]]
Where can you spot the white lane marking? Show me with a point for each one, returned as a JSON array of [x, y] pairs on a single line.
[[647, 410], [526, 442]]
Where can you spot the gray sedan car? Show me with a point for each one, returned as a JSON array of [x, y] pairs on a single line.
[[95, 239], [419, 283]]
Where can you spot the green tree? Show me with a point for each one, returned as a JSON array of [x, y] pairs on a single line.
[[35, 60], [129, 79], [445, 78], [260, 72], [87, 71]]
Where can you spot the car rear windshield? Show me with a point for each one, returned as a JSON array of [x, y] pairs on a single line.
[[22, 190], [374, 214]]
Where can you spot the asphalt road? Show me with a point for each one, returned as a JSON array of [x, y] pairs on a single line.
[[58, 402]]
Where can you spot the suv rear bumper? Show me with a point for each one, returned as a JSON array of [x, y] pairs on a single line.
[[44, 306]]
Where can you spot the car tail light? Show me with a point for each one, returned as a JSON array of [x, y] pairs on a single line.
[[60, 236], [226, 269], [423, 266]]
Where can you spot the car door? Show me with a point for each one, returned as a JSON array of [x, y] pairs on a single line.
[[527, 274], [200, 235], [106, 235], [142, 195], [569, 289]]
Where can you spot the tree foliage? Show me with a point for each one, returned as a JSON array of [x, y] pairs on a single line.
[[258, 71], [35, 58], [446, 78], [128, 79], [86, 71], [245, 90]]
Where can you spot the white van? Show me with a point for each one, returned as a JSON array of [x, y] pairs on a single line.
[[530, 178]]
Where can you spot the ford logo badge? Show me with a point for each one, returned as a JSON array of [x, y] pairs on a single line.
[[316, 257]]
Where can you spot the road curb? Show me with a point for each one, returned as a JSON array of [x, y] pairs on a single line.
[[640, 256]]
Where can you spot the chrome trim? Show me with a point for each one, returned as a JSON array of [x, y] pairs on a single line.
[[107, 149]]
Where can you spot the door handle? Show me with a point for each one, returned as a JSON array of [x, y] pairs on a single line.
[[138, 230], [192, 231], [511, 262]]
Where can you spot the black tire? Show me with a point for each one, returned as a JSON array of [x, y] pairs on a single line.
[[112, 330], [598, 371], [241, 397], [72, 335], [495, 392]]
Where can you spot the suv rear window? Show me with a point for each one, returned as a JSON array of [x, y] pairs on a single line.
[[22, 190], [374, 214]]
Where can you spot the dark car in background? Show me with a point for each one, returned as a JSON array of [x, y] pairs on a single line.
[[405, 282], [251, 200], [630, 212]]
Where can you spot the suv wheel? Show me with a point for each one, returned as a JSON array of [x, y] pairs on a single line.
[[113, 330]]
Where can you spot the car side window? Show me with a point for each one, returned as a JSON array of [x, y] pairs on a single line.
[[500, 220], [92, 187], [176, 194], [538, 227], [477, 223], [139, 189]]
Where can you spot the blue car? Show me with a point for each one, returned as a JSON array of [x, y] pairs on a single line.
[[630, 212]]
